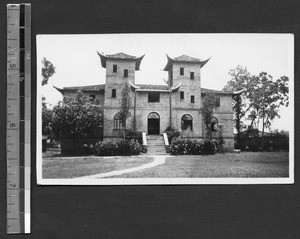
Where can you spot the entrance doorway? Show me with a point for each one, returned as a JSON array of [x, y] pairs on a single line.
[[153, 123]]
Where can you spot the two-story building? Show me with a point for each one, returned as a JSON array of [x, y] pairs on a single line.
[[156, 108]]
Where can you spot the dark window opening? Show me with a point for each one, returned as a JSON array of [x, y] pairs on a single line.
[[214, 124], [125, 73], [181, 95], [115, 68], [113, 93], [118, 123], [192, 99], [192, 75], [153, 96], [217, 102], [92, 97], [181, 71]]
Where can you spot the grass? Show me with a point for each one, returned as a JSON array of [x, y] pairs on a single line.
[[70, 167], [242, 165]]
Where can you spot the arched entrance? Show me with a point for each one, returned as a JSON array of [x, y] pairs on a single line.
[[153, 123], [186, 122]]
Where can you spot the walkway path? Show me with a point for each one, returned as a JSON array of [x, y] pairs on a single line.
[[157, 160]]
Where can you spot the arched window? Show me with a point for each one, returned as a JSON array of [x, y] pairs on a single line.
[[118, 124], [153, 115], [214, 124], [186, 122]]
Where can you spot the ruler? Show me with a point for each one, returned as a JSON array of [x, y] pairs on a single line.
[[18, 117]]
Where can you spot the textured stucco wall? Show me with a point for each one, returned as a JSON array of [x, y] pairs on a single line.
[[116, 80], [162, 108]]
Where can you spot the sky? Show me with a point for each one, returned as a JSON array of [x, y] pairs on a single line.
[[77, 63]]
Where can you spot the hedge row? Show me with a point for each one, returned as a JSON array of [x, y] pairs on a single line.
[[122, 148], [182, 146]]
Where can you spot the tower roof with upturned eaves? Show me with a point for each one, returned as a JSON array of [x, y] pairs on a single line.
[[184, 59], [121, 56]]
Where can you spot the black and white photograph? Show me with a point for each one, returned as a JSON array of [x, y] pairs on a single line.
[[118, 109]]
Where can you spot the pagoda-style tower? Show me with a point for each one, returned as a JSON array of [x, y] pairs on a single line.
[[120, 69], [185, 71]]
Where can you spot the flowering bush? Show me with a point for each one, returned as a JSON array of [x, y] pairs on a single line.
[[172, 134], [182, 146], [122, 148]]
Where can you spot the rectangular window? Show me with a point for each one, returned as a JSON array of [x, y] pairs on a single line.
[[92, 97], [217, 103], [115, 68], [153, 96], [181, 95], [113, 93], [192, 99], [192, 75], [126, 73], [181, 71]]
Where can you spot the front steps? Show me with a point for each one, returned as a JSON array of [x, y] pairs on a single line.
[[156, 145]]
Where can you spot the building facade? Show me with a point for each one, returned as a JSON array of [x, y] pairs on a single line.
[[157, 108]]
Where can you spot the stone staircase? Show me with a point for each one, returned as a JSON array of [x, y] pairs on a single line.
[[155, 145]]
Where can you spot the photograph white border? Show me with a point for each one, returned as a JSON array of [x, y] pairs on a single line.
[[162, 181]]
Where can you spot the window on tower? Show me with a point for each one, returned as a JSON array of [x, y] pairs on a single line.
[[192, 75], [118, 122], [181, 95], [125, 73], [217, 102], [181, 71], [115, 68], [92, 97], [113, 93], [192, 99]]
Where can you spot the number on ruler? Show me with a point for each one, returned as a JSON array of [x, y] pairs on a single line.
[[12, 125], [13, 185], [12, 66], [28, 56]]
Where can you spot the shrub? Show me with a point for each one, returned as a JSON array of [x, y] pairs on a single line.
[[196, 147], [134, 135], [178, 146], [172, 134], [182, 146], [209, 147], [88, 149], [122, 148]]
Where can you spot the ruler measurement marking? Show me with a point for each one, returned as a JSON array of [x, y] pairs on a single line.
[[18, 78]]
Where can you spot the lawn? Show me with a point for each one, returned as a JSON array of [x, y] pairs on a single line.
[[70, 167], [242, 165], [236, 165]]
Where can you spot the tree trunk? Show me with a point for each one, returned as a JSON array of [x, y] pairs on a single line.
[[134, 117], [238, 121]]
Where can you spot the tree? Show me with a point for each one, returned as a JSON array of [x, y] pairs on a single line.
[[47, 71], [267, 96], [77, 117], [207, 112], [261, 99], [241, 79], [46, 119], [125, 106]]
